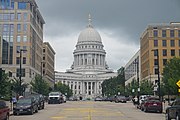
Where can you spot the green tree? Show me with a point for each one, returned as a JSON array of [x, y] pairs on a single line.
[[115, 85], [146, 87], [5, 86], [39, 85], [171, 74], [15, 85], [64, 89]]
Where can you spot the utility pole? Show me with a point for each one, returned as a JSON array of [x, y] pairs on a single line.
[[20, 71]]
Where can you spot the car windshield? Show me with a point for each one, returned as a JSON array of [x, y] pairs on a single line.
[[24, 101], [53, 94]]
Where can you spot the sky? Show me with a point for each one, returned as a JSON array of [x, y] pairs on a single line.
[[120, 24]]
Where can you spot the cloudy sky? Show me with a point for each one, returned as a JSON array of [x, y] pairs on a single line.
[[119, 22]]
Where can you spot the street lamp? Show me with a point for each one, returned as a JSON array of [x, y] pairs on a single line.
[[157, 54], [20, 70], [137, 68]]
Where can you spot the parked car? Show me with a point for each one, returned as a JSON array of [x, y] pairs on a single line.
[[173, 112], [151, 104], [25, 105], [98, 99], [39, 100], [4, 111], [121, 99]]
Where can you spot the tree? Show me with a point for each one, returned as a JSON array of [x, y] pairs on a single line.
[[64, 89], [15, 85], [39, 85], [146, 87], [171, 74], [115, 85], [5, 86]]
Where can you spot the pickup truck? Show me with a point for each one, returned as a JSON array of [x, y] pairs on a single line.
[[173, 112], [4, 111]]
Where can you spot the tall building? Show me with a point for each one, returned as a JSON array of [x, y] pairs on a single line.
[[158, 41], [21, 31], [48, 63], [89, 68], [132, 69]]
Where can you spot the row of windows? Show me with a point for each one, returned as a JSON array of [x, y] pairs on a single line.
[[9, 4], [6, 28], [165, 52], [164, 33], [89, 46], [164, 43], [12, 17]]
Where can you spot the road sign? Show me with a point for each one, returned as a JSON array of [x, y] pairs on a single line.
[[178, 83], [179, 90]]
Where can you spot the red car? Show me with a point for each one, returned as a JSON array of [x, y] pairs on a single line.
[[4, 111], [152, 104]]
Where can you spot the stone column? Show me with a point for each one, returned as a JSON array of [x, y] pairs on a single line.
[[87, 88], [91, 88]]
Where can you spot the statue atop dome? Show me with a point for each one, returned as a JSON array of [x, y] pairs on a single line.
[[89, 21]]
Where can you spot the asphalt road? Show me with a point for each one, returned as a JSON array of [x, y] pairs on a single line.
[[90, 110]]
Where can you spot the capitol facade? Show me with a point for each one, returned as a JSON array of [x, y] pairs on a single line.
[[89, 68]]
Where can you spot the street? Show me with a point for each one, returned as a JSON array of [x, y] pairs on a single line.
[[90, 110]]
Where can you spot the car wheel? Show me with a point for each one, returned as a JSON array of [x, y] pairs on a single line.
[[167, 116], [177, 117], [32, 112]]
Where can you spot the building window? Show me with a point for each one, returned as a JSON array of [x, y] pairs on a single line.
[[24, 60], [164, 62], [156, 70], [25, 16], [179, 43], [18, 49], [172, 43], [25, 28], [155, 33], [12, 16], [24, 48], [155, 62], [171, 33], [22, 5], [22, 72], [18, 39], [44, 50], [155, 43], [179, 33], [164, 52], [17, 60], [12, 4], [179, 52], [19, 16], [43, 58], [163, 33], [164, 43], [172, 52], [24, 38], [19, 27], [155, 52]]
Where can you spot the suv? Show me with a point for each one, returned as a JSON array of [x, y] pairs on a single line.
[[4, 111], [173, 112]]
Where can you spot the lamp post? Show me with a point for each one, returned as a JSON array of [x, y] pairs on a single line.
[[159, 90], [137, 70], [20, 70]]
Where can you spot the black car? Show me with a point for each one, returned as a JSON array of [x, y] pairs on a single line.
[[173, 112], [121, 99], [25, 105], [39, 100]]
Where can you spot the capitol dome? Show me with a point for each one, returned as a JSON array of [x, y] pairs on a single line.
[[89, 34]]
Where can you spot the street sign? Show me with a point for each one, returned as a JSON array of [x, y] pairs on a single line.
[[178, 83], [179, 90]]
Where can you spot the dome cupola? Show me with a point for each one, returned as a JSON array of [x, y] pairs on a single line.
[[89, 34]]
